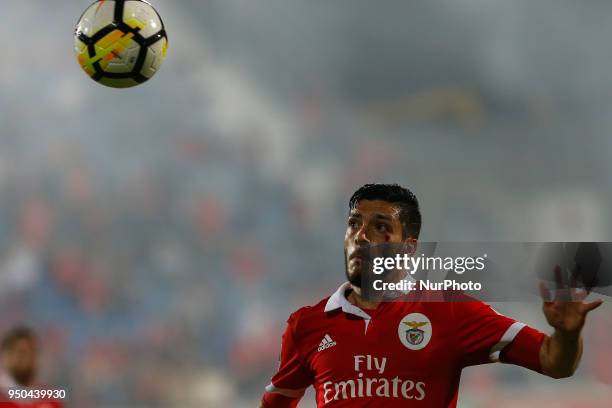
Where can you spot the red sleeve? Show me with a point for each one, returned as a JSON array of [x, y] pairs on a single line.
[[292, 378], [485, 336], [525, 349]]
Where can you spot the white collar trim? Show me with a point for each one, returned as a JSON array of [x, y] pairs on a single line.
[[339, 301]]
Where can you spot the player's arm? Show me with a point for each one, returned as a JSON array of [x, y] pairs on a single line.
[[293, 376], [485, 336], [561, 352]]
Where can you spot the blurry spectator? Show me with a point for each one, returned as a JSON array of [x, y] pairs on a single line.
[[19, 355]]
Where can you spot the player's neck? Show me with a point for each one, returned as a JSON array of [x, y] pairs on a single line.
[[354, 297]]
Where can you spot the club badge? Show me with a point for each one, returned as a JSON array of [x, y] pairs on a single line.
[[414, 331]]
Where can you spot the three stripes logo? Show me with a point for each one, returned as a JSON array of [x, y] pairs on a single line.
[[326, 343]]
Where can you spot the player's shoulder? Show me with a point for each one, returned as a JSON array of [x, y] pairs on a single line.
[[309, 311], [446, 303], [307, 316], [464, 304]]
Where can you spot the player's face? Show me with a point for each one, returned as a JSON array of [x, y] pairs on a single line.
[[370, 222], [20, 361]]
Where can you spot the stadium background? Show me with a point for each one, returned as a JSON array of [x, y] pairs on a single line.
[[157, 238]]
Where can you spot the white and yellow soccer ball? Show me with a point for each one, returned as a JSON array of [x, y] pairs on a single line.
[[120, 43]]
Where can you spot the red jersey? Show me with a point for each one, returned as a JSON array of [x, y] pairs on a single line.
[[32, 404], [402, 354]]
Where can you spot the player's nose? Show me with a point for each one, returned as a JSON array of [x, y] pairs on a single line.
[[361, 236]]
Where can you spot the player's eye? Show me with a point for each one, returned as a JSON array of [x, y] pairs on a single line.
[[382, 227], [352, 223]]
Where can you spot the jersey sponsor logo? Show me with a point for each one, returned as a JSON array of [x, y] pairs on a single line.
[[414, 331], [370, 381], [326, 343]]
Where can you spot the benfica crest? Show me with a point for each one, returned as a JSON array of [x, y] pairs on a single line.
[[415, 331], [414, 335]]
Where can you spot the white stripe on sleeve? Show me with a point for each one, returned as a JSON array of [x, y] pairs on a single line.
[[287, 392], [506, 339]]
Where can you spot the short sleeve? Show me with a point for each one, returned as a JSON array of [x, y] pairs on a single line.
[[486, 336], [292, 378], [524, 351]]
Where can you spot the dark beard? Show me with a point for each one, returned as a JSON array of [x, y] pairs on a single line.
[[23, 378], [355, 279]]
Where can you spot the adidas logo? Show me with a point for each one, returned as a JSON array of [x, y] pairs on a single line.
[[326, 343]]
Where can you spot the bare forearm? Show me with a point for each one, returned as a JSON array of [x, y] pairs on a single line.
[[560, 354]]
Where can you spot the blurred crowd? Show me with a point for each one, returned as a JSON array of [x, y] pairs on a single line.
[[139, 277]]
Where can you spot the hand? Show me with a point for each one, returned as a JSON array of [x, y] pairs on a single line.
[[567, 311]]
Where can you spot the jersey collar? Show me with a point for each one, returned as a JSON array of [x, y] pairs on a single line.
[[339, 301]]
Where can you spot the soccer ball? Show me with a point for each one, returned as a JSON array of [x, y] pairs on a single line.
[[120, 43]]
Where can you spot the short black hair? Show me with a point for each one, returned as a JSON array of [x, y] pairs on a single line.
[[410, 214], [16, 334]]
